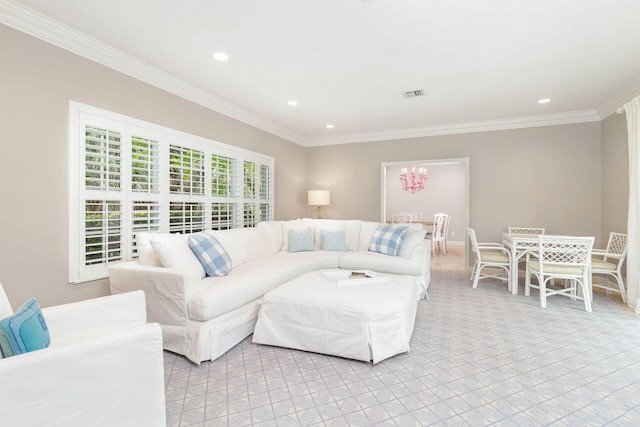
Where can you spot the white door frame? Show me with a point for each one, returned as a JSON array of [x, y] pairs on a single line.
[[383, 186]]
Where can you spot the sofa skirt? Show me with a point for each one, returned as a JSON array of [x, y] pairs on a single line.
[[202, 341]]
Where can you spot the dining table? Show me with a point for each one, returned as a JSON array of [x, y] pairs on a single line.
[[519, 245]]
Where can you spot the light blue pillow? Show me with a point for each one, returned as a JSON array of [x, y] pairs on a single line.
[[387, 239], [333, 240], [24, 331], [301, 242], [213, 257]]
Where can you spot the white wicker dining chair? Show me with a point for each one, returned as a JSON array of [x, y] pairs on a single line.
[[561, 257], [528, 231], [489, 255], [534, 231], [608, 262]]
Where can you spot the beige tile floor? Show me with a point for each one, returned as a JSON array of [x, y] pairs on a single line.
[[452, 261]]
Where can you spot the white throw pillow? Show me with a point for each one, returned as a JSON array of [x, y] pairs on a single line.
[[411, 239], [146, 253], [174, 252]]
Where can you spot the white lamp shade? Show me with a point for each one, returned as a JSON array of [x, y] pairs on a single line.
[[319, 197]]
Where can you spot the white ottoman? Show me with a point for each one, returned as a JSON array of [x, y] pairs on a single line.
[[369, 322]]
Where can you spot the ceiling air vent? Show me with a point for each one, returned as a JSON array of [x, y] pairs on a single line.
[[414, 93]]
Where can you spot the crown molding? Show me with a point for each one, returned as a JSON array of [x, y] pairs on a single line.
[[611, 106], [27, 20], [22, 18], [469, 127]]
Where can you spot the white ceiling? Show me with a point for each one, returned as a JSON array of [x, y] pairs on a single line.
[[482, 64]]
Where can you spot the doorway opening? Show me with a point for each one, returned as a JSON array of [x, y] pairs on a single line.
[[445, 190]]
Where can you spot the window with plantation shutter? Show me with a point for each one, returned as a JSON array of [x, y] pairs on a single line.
[[145, 216], [144, 165], [186, 217], [102, 159], [103, 225], [224, 216], [127, 176], [250, 218], [224, 176], [265, 182]]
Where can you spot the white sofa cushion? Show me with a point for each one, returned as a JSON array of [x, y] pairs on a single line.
[[375, 261], [252, 280], [273, 231], [146, 254], [247, 244], [351, 229], [411, 239], [174, 252], [366, 233]]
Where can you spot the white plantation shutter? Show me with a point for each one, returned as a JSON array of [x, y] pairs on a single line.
[[145, 165], [186, 217], [103, 232], [102, 159], [250, 215], [186, 170], [145, 216], [224, 216], [127, 176], [265, 182]]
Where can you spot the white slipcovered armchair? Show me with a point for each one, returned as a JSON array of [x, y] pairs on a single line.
[[104, 367]]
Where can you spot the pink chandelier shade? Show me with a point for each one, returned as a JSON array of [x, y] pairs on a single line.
[[411, 181]]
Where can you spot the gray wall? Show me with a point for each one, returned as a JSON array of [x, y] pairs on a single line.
[[37, 80], [544, 176], [615, 175]]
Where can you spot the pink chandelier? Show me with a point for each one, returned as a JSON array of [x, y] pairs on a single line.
[[412, 182]]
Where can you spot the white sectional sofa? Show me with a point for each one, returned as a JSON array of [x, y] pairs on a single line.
[[203, 317]]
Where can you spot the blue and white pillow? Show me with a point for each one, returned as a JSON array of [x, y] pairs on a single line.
[[387, 239], [213, 257], [333, 240], [24, 331], [301, 242]]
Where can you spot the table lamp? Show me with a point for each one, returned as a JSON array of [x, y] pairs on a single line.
[[319, 198]]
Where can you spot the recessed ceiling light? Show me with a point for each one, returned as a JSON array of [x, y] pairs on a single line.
[[220, 56], [330, 126], [293, 103], [544, 101]]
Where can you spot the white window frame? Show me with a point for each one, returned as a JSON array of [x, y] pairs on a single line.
[[82, 115]]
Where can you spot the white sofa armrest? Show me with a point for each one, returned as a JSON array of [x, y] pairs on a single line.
[[111, 379], [167, 290], [68, 322], [422, 253]]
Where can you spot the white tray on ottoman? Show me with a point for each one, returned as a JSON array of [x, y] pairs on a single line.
[[369, 322]]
